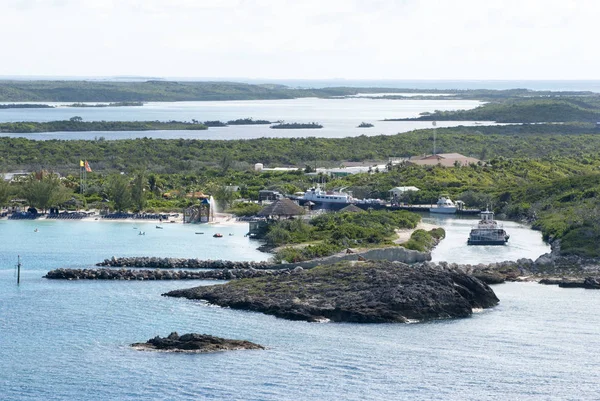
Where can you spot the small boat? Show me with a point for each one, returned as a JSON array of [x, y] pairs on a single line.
[[231, 234], [159, 227], [199, 233], [444, 205], [142, 233], [488, 232], [218, 235], [36, 230]]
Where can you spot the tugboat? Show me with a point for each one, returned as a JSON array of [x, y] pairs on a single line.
[[488, 232]]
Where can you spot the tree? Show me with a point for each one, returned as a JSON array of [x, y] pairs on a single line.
[[4, 192], [43, 190], [118, 191], [76, 119], [138, 188], [224, 195]]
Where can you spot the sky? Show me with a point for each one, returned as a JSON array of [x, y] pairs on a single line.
[[302, 39]]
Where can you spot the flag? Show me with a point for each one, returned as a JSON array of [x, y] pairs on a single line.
[[87, 167], [80, 163]]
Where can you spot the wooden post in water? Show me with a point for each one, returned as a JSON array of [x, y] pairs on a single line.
[[18, 269]]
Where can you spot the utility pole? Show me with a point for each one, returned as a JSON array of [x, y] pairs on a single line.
[[18, 269], [434, 125]]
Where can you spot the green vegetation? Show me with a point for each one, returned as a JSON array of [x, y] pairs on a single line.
[[5, 192], [332, 232], [365, 125], [424, 241], [75, 124], [544, 141], [247, 121], [215, 123], [25, 106], [536, 110], [157, 91], [113, 104], [169, 91], [43, 190], [297, 126], [244, 209]]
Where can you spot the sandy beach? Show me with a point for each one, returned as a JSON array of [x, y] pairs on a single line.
[[404, 234], [219, 218]]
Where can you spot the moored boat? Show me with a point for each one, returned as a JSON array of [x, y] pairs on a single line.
[[444, 205], [317, 195], [488, 231]]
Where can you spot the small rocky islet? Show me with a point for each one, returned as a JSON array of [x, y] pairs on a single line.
[[363, 292], [194, 343]]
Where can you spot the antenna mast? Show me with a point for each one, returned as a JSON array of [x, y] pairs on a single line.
[[434, 125]]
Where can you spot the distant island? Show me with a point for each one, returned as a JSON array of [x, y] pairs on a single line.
[[25, 106], [523, 110], [114, 104], [215, 123], [76, 124], [297, 126], [365, 125], [248, 121]]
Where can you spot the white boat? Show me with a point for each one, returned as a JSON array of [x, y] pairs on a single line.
[[488, 231], [444, 205], [317, 195]]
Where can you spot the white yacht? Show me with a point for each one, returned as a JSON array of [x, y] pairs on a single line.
[[488, 231], [317, 195], [444, 205]]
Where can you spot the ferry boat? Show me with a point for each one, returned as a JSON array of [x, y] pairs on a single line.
[[317, 195], [444, 205], [488, 232]]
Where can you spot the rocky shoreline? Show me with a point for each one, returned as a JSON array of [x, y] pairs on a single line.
[[360, 292], [182, 263], [152, 275], [194, 343]]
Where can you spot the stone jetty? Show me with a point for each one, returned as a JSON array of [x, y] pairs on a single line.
[[157, 274], [589, 283], [182, 263], [194, 343]]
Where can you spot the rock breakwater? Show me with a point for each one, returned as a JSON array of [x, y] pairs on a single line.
[[182, 263], [134, 274]]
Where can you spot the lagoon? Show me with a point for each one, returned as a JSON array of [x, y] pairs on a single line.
[[339, 117]]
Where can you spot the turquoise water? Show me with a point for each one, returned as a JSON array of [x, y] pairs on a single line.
[[66, 340], [523, 243], [339, 117]]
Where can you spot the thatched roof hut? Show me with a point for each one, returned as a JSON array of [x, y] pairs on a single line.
[[281, 208], [352, 209]]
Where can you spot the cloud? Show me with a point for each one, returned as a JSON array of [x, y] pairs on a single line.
[[429, 39]]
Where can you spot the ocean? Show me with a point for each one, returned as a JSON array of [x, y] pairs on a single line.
[[65, 340]]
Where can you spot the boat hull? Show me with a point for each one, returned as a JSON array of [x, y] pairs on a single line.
[[443, 210], [486, 242]]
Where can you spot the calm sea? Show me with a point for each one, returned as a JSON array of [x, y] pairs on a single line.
[[339, 117], [65, 340]]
